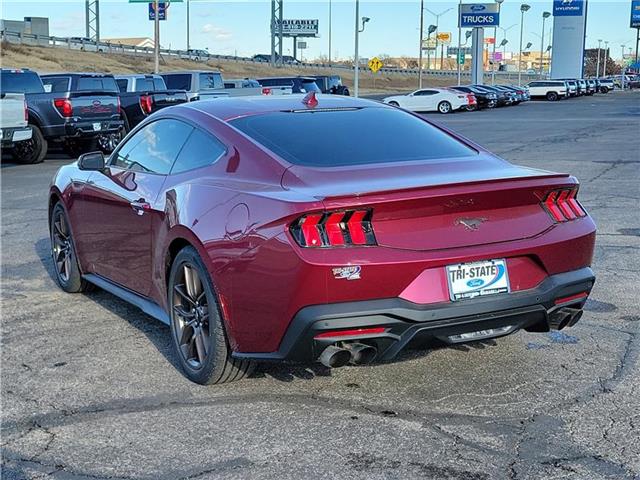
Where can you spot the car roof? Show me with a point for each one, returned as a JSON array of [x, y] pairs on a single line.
[[189, 71], [83, 74], [233, 107]]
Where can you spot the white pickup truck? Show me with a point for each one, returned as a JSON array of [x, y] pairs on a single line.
[[14, 131]]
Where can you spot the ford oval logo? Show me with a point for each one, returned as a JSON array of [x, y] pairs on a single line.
[[476, 282], [477, 8], [97, 103]]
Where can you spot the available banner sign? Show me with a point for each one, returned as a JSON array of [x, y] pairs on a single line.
[[568, 8], [298, 28], [479, 15], [635, 13]]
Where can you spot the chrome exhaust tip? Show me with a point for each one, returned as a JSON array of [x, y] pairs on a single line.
[[334, 357], [361, 354]]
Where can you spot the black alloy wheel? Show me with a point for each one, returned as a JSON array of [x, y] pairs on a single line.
[[197, 328]]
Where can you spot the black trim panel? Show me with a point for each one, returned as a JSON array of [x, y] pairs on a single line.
[[143, 303]]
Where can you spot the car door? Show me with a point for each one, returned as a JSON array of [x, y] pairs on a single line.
[[121, 202], [423, 100]]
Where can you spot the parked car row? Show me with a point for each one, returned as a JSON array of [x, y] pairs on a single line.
[[460, 97], [82, 112], [557, 89]]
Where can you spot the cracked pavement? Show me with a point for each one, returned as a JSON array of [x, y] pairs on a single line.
[[90, 389]]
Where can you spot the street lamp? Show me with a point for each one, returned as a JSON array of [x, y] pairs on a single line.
[[438, 15], [606, 55], [329, 59], [523, 8], [430, 30], [420, 46], [495, 36], [545, 15], [504, 39], [356, 57], [598, 62]]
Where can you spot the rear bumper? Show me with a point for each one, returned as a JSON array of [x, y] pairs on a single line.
[[84, 129], [405, 321], [10, 136]]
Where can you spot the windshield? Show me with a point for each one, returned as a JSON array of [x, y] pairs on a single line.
[[359, 136]]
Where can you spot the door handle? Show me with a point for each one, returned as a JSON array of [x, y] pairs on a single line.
[[140, 206]]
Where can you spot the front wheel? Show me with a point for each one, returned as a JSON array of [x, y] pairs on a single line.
[[552, 96], [604, 90], [197, 329], [65, 261]]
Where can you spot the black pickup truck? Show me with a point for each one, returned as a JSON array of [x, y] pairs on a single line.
[[141, 95]]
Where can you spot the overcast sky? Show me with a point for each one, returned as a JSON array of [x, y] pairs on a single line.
[[242, 27]]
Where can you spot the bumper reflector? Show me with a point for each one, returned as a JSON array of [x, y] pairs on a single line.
[[571, 298], [351, 332]]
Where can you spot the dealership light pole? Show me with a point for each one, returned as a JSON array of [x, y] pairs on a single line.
[[420, 46], [437, 15], [523, 8], [356, 56], [545, 15], [606, 56], [156, 43], [598, 62], [495, 38], [188, 18], [329, 32]]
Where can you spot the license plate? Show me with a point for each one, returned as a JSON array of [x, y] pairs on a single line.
[[469, 280], [97, 126]]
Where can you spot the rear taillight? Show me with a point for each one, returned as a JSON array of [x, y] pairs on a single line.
[[562, 205], [63, 105], [119, 106], [146, 103], [266, 91], [26, 112], [334, 229], [471, 99]]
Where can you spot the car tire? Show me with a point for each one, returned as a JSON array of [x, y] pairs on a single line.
[[552, 96], [199, 338], [63, 253], [444, 107], [31, 151], [604, 90]]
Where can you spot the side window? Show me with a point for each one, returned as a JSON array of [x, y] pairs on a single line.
[[154, 148], [158, 83], [425, 93], [200, 150], [122, 84]]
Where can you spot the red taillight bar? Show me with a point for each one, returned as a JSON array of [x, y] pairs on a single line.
[[562, 205], [571, 298], [334, 229], [352, 332], [63, 105]]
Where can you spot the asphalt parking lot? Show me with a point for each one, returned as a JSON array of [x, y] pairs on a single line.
[[90, 389]]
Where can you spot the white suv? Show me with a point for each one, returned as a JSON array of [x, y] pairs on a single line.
[[552, 90]]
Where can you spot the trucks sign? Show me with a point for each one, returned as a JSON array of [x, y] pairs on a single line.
[[635, 13], [568, 8], [479, 15]]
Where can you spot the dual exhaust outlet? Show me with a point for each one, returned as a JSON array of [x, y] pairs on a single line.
[[354, 353]]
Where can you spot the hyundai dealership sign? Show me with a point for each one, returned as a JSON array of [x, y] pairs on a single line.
[[479, 15], [568, 8]]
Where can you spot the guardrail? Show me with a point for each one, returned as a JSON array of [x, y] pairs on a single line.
[[73, 43]]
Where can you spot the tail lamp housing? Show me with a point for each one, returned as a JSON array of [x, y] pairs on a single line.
[[146, 103], [63, 105], [563, 206], [348, 228], [266, 91]]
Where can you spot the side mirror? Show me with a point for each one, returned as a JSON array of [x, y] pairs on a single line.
[[91, 161]]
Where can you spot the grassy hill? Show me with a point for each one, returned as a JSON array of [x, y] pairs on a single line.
[[49, 60]]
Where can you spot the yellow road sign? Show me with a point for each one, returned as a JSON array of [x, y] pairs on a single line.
[[375, 64], [444, 37]]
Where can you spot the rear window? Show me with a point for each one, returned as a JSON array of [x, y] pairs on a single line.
[[144, 85], [357, 137], [178, 81], [158, 83], [210, 80], [97, 84], [122, 84], [56, 84], [20, 82]]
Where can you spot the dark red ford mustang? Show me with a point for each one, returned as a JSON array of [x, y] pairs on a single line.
[[335, 230]]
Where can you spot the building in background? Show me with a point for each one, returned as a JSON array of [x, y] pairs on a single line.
[[29, 26]]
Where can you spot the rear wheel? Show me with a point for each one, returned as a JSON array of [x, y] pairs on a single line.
[[63, 253], [33, 150], [197, 329], [604, 90], [444, 107], [552, 96]]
